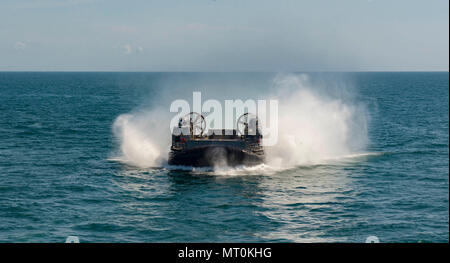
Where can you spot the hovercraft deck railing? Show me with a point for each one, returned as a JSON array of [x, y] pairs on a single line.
[[191, 146]]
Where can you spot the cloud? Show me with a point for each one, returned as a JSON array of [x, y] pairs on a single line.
[[19, 45], [127, 49]]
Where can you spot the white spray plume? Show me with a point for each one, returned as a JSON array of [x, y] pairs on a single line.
[[143, 140], [315, 125]]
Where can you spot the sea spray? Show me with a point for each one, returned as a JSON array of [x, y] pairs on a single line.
[[315, 124], [143, 137]]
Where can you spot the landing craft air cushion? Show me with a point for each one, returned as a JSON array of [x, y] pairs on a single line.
[[219, 147]]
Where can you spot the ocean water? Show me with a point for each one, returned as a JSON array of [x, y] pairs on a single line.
[[61, 175]]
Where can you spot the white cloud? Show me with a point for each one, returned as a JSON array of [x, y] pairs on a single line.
[[19, 45], [128, 49]]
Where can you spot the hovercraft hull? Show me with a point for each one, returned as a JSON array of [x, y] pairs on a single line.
[[214, 156]]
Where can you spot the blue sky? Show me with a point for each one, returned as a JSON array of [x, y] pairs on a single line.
[[224, 35]]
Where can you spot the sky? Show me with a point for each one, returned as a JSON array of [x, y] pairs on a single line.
[[224, 35]]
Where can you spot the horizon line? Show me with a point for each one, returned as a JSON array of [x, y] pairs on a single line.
[[249, 71]]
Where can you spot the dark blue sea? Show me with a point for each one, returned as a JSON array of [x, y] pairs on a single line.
[[61, 175]]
